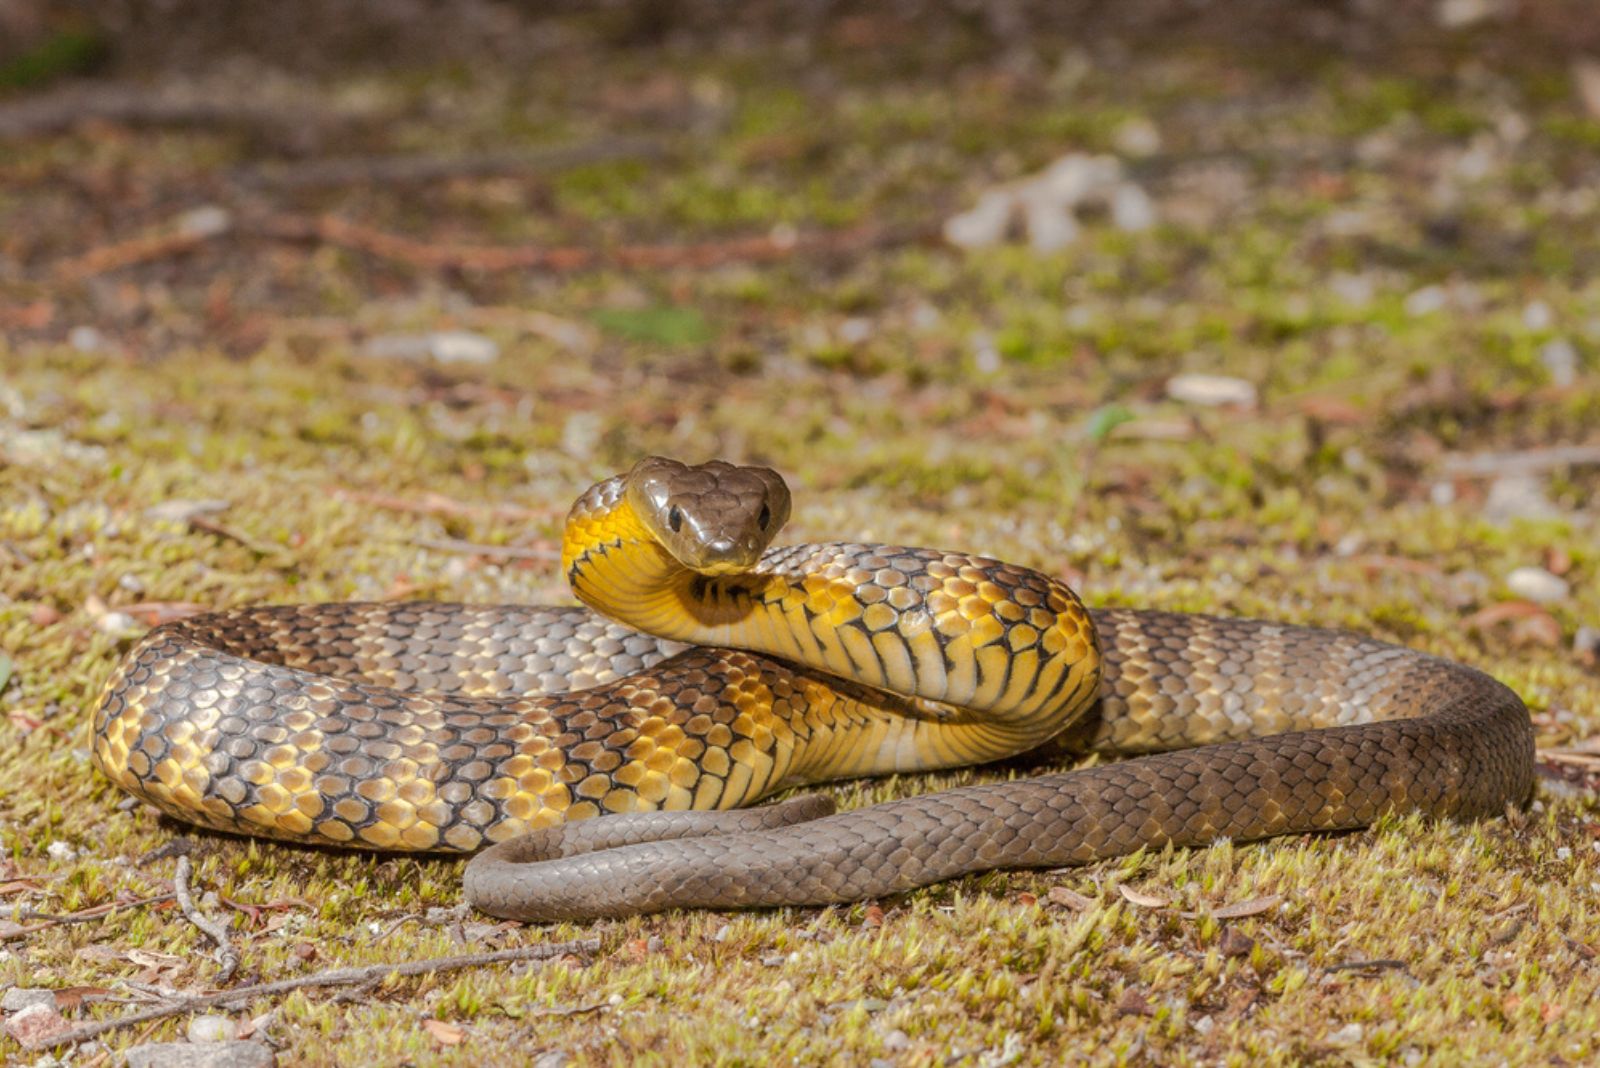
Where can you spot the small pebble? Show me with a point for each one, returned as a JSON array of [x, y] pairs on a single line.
[[59, 850], [1538, 585], [206, 221], [1426, 301], [86, 339], [445, 346], [1518, 496], [460, 346], [1459, 14], [1235, 943], [985, 224], [856, 330], [1137, 137], [1586, 644], [21, 997], [1132, 209], [1212, 390], [206, 1055], [34, 1026], [1348, 1035], [212, 1029], [1560, 358], [117, 624]]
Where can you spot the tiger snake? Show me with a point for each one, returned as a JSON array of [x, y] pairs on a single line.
[[710, 670]]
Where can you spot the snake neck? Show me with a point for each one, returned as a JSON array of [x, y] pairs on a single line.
[[616, 566], [995, 659]]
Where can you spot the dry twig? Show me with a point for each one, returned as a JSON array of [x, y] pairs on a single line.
[[423, 254], [332, 977], [47, 920], [227, 955], [399, 170], [497, 552]]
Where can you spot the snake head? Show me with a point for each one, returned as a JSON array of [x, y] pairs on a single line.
[[715, 518]]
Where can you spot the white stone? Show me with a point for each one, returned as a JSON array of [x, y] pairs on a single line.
[[1426, 301], [1131, 208], [985, 224], [1459, 14], [1137, 137], [1348, 1035], [462, 346], [1211, 390], [1560, 358], [212, 1029], [1538, 585]]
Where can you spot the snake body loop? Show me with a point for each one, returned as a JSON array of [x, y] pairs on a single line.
[[730, 670]]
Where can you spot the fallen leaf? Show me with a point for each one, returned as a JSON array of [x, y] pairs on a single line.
[[1235, 943], [873, 917], [1502, 612], [446, 1034], [69, 998], [182, 511], [1240, 909], [146, 958], [155, 613], [1025, 898], [96, 952], [1334, 411], [1540, 630], [1133, 1003], [1144, 901], [1069, 899]]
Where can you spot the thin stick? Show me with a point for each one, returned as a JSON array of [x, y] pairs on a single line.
[[1526, 462], [332, 977], [421, 169], [499, 552], [96, 912], [227, 956]]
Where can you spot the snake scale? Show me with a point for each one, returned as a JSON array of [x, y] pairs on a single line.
[[710, 671]]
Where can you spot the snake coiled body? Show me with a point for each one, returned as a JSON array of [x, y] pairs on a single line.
[[737, 670]]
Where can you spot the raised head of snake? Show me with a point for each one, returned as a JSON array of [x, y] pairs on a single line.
[[715, 518], [674, 549]]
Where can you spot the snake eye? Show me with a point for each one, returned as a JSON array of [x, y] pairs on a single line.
[[764, 518], [675, 519]]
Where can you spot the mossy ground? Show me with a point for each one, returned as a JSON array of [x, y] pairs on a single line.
[[914, 394]]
